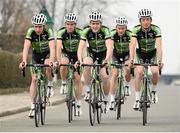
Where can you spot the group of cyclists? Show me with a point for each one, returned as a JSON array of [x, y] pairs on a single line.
[[93, 43]]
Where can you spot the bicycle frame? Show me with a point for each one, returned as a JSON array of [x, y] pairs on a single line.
[[70, 92], [40, 98]]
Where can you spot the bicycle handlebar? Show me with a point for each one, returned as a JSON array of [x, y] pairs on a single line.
[[119, 65], [36, 65], [148, 64], [94, 65]]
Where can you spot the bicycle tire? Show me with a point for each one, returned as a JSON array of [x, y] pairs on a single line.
[[37, 105], [119, 100], [43, 105], [69, 102], [98, 107], [144, 109], [92, 105], [37, 114]]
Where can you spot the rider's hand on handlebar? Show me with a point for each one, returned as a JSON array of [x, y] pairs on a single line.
[[160, 64], [22, 64], [77, 63], [51, 64], [105, 63], [130, 64]]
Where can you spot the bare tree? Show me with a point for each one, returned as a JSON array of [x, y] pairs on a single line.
[[7, 12]]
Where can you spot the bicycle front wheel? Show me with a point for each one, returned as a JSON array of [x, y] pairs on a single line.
[[70, 101], [37, 114], [43, 105], [98, 105], [92, 105], [144, 104], [119, 99]]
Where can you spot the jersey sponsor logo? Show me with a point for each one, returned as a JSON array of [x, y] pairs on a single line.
[[44, 37], [124, 39], [100, 36], [150, 35]]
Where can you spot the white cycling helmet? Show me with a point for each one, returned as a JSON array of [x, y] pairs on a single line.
[[121, 21], [95, 16], [39, 19], [70, 17], [144, 13]]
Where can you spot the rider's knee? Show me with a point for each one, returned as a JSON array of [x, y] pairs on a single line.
[[155, 73], [139, 73], [34, 78]]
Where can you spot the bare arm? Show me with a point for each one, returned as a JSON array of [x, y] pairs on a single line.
[[52, 50], [59, 50], [132, 48], [159, 49], [80, 50], [109, 45], [27, 44]]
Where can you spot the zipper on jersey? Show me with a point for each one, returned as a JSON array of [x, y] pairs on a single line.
[[96, 42], [146, 39], [120, 39], [70, 42], [40, 43]]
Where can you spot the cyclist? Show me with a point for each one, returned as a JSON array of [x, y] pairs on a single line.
[[121, 38], [68, 39], [41, 40], [148, 37], [99, 46]]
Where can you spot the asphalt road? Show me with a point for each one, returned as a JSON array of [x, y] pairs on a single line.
[[163, 116]]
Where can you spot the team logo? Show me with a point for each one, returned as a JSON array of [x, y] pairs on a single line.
[[125, 39], [100, 36], [150, 35], [44, 37]]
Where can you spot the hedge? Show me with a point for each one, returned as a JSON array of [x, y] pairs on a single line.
[[10, 74]]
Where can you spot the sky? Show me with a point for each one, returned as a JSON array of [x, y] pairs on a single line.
[[166, 14]]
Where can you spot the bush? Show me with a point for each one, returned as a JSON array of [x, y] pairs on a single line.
[[12, 42], [10, 74]]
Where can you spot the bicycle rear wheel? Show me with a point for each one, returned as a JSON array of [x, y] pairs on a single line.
[[144, 104], [92, 105]]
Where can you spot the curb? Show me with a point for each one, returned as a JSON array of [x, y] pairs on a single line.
[[26, 108]]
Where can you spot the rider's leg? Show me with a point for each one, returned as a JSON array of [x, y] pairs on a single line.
[[63, 74], [50, 91], [87, 75], [78, 86], [114, 74], [106, 82], [138, 76], [78, 92], [32, 92], [127, 80], [155, 78]]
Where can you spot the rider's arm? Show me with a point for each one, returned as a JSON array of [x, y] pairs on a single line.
[[59, 50], [109, 45], [80, 50], [132, 48], [159, 49], [27, 44], [51, 44], [52, 50]]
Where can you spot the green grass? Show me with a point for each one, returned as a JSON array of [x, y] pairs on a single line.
[[13, 90]]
